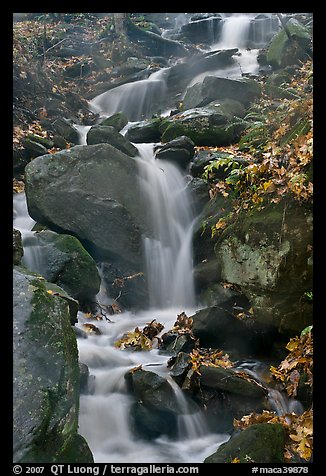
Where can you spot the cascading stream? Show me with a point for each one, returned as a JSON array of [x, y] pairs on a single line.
[[105, 412], [168, 253]]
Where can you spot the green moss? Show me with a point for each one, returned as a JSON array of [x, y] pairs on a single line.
[[260, 443]]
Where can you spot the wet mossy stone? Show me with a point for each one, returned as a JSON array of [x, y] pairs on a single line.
[[259, 443], [145, 131], [266, 253], [211, 125], [282, 51], [46, 373], [100, 134], [117, 120], [34, 149], [64, 261], [64, 128]]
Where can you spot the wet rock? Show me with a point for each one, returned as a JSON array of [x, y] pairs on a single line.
[[117, 120], [46, 369], [100, 134], [210, 125], [203, 28], [224, 161], [145, 131], [68, 177], [179, 151], [207, 272], [268, 254], [276, 85], [64, 128], [260, 443], [150, 424], [84, 375], [63, 260], [217, 326], [227, 380], [154, 391], [17, 246], [127, 285], [180, 367], [34, 149], [198, 193], [244, 90], [174, 343]]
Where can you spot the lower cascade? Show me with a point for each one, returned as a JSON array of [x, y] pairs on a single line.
[[105, 419]]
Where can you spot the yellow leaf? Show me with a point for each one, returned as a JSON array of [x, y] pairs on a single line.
[[235, 460]]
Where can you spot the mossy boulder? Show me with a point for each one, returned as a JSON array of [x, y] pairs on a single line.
[[211, 125], [117, 120], [283, 51], [63, 260], [145, 131], [260, 443], [267, 253], [46, 376]]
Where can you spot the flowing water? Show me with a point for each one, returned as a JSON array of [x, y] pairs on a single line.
[[137, 100], [105, 419]]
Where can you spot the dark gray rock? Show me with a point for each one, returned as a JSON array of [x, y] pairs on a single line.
[[244, 90], [18, 250], [108, 220], [227, 380], [180, 151], [218, 326], [34, 149], [150, 424], [46, 375], [260, 443], [198, 193], [145, 131], [154, 391], [100, 134], [64, 128], [84, 375]]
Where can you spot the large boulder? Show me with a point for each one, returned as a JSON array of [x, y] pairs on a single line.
[[284, 51], [267, 253], [46, 376], [259, 443], [92, 193], [244, 90], [210, 125], [62, 259]]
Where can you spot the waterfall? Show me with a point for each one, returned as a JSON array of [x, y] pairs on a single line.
[[137, 100], [168, 252], [235, 31]]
